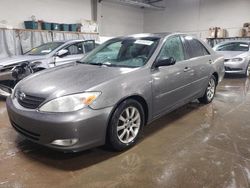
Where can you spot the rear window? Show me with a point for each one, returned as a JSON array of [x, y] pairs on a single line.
[[234, 46], [195, 47]]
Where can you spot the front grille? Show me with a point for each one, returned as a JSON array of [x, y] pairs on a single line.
[[232, 69], [26, 133], [28, 101]]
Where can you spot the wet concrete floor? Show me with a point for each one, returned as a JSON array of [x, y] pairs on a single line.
[[195, 146]]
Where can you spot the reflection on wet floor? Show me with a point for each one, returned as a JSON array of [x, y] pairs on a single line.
[[195, 146]]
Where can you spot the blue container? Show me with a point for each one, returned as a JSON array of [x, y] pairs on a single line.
[[73, 27], [46, 26], [64, 27], [55, 26], [31, 25]]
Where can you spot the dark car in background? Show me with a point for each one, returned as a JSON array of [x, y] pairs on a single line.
[[47, 55]]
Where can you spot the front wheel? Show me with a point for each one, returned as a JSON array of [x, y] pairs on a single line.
[[210, 91], [126, 125]]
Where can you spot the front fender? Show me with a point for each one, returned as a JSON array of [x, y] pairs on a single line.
[[114, 91]]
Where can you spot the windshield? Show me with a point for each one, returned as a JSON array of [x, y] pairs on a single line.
[[234, 46], [44, 48], [129, 52]]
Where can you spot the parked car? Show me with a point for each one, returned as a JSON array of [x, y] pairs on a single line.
[[47, 55], [110, 94], [237, 56]]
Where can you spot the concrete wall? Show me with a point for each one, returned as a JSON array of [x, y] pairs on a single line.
[[196, 16], [62, 11], [114, 19], [117, 19]]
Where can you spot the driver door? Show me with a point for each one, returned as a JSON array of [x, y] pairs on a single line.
[[171, 84]]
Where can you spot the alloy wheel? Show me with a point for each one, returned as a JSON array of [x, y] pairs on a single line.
[[128, 125], [211, 89]]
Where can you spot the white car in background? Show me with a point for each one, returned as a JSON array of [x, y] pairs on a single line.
[[237, 56], [47, 55]]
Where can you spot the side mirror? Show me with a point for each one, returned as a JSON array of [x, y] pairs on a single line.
[[62, 53], [165, 62]]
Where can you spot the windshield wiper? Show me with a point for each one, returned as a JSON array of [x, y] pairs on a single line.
[[104, 64], [97, 64], [85, 63]]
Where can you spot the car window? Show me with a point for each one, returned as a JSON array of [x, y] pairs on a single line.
[[234, 46], [172, 48], [44, 48], [111, 51], [89, 45], [75, 49], [129, 52], [195, 47]]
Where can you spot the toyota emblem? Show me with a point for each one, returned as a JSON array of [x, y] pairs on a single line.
[[22, 96]]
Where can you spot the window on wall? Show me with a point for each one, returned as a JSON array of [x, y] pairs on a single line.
[[172, 48]]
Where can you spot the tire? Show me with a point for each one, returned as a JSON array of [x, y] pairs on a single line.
[[246, 72], [210, 91], [126, 125]]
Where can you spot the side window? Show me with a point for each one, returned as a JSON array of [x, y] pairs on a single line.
[[196, 48], [75, 49], [172, 48], [89, 45]]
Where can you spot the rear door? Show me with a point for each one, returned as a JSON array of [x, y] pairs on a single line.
[[200, 60], [171, 84]]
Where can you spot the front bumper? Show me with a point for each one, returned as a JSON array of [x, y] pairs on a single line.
[[236, 67], [87, 125]]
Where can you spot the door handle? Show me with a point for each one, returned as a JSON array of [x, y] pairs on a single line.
[[187, 69]]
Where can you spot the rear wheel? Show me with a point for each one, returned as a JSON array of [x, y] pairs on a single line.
[[210, 91], [126, 125]]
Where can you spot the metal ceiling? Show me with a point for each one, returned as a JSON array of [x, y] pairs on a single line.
[[149, 4]]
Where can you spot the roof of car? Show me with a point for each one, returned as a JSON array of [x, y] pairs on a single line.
[[150, 35], [70, 41], [232, 41]]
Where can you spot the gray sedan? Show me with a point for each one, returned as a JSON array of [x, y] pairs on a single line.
[[113, 92], [237, 56], [47, 55]]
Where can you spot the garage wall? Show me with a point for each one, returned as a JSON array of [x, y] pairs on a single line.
[[62, 11], [117, 19], [196, 16]]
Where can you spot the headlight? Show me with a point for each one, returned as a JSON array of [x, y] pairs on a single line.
[[70, 103], [237, 59]]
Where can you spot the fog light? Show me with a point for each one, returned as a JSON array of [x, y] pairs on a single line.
[[65, 142]]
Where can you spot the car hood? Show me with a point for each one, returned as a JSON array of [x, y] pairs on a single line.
[[231, 54], [69, 79], [17, 59]]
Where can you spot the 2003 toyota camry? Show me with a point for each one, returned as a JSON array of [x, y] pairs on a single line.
[[113, 92]]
